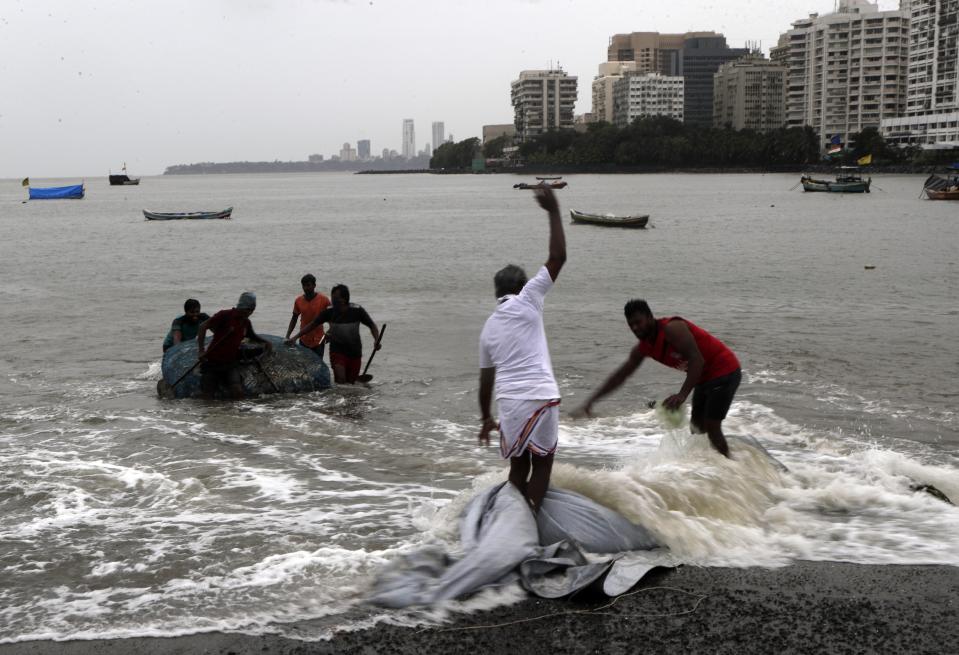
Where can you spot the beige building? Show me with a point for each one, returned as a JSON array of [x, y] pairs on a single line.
[[931, 117], [491, 132], [609, 73], [846, 70], [749, 94], [543, 100], [647, 94]]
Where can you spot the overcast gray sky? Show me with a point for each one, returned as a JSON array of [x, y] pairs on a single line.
[[87, 85]]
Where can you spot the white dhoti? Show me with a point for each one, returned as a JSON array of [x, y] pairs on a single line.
[[531, 425]]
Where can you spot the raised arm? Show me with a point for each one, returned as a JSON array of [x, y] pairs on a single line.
[[557, 238], [681, 339], [612, 383]]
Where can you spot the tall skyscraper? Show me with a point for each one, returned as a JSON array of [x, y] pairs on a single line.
[[438, 138], [543, 100], [931, 117], [409, 139], [702, 57], [847, 69], [363, 149]]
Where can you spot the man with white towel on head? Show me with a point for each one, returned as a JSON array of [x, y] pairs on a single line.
[[514, 359]]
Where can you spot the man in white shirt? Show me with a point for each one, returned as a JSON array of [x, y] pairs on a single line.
[[514, 357]]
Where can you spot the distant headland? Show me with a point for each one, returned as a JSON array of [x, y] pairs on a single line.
[[311, 166]]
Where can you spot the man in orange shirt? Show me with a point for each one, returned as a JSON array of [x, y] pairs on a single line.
[[308, 307]]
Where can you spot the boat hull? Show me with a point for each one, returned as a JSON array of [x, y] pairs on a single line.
[[541, 185], [123, 180], [941, 188], [638, 221], [179, 216], [952, 194], [293, 369], [827, 186]]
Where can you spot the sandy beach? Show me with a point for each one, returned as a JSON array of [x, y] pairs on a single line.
[[808, 607]]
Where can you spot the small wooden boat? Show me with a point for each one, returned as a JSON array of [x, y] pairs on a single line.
[[72, 192], [544, 182], [175, 216], [609, 220], [941, 188], [848, 180]]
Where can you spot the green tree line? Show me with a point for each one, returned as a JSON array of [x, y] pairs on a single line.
[[661, 142]]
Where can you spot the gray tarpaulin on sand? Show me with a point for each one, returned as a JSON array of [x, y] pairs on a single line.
[[573, 543], [502, 539]]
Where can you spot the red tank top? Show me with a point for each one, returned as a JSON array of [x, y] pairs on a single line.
[[718, 360]]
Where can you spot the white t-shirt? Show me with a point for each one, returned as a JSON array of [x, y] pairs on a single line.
[[513, 341]]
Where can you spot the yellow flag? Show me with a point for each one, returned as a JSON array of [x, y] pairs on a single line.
[[26, 182], [864, 161]]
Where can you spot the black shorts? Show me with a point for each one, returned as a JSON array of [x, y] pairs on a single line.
[[711, 400]]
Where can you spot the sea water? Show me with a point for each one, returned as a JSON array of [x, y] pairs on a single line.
[[126, 515]]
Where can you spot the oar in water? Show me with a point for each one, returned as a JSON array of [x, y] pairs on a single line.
[[365, 377]]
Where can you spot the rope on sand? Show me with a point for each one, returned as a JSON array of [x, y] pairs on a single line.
[[596, 612]]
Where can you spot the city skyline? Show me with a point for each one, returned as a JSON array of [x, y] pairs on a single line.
[[184, 83]]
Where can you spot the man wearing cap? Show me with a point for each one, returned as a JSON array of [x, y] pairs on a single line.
[[221, 360]]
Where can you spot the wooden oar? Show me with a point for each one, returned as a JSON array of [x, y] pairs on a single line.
[[365, 377], [259, 365]]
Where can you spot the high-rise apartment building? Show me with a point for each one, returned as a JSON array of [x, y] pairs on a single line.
[[363, 149], [702, 57], [438, 130], [608, 74], [409, 139], [931, 117], [749, 94], [347, 153], [696, 56], [543, 100], [647, 94], [847, 70]]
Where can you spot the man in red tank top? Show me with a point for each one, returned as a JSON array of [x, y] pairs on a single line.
[[712, 369]]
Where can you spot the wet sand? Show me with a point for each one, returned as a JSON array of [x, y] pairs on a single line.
[[808, 607]]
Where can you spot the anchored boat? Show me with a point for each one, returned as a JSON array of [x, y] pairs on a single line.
[[609, 220], [72, 192], [175, 216], [123, 179], [849, 180], [544, 182], [941, 188]]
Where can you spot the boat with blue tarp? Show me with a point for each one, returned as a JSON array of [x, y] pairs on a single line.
[[72, 192]]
